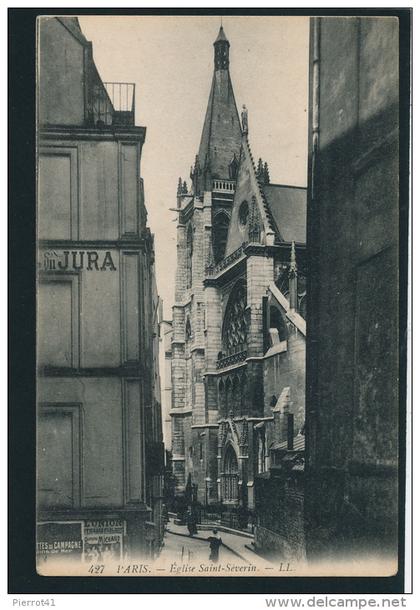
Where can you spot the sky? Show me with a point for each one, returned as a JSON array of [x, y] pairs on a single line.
[[171, 61]]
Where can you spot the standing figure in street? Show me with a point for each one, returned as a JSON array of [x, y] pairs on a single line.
[[215, 543], [191, 523]]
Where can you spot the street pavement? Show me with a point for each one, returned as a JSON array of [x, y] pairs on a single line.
[[190, 549], [178, 543]]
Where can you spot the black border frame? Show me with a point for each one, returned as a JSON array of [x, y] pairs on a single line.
[[22, 577]]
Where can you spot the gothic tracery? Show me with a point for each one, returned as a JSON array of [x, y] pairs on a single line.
[[234, 327]]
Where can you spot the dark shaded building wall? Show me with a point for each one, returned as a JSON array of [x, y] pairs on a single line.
[[353, 229], [280, 508]]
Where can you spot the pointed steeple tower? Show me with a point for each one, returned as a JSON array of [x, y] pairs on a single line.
[[221, 51], [221, 135]]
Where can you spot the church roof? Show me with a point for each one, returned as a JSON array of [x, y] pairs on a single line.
[[287, 205]]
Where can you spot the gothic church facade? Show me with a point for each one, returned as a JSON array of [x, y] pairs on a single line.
[[238, 347]]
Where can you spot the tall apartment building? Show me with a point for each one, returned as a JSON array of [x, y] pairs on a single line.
[[99, 440]]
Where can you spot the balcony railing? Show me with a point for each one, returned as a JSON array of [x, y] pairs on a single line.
[[225, 262], [224, 186], [114, 103], [231, 359]]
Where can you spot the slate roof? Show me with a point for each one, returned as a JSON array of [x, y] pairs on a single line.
[[221, 135], [287, 205]]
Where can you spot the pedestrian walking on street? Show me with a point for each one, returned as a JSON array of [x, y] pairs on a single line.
[[215, 543], [191, 523]]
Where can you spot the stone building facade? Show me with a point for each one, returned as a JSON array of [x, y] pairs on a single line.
[[238, 347], [100, 452], [352, 416]]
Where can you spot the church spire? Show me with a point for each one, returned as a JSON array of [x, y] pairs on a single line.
[[221, 51], [222, 133]]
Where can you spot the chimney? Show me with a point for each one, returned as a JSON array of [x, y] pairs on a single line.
[[290, 431]]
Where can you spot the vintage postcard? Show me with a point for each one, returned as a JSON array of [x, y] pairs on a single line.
[[218, 314]]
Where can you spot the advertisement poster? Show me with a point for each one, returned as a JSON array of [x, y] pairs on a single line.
[[103, 541]]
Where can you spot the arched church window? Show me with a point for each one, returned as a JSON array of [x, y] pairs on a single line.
[[244, 393], [282, 282], [220, 234], [222, 399], [261, 450], [233, 166], [190, 249], [302, 306], [301, 294], [228, 397], [188, 331], [230, 487], [244, 213], [236, 397], [234, 331]]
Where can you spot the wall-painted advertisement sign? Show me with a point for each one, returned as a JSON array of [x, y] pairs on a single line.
[[93, 541], [103, 540], [77, 260], [60, 540]]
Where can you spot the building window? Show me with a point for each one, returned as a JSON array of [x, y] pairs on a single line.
[[235, 405], [261, 451], [233, 166], [282, 284], [58, 314], [220, 235], [244, 213], [222, 399], [277, 327], [234, 332], [230, 477], [301, 290], [190, 250], [244, 393], [58, 456], [188, 331]]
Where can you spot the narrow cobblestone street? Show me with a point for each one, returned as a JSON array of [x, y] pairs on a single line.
[[181, 550], [190, 549]]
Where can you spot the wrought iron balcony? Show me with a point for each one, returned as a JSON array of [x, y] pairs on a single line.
[[114, 103]]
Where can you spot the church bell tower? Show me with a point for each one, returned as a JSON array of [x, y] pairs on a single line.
[[204, 213]]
